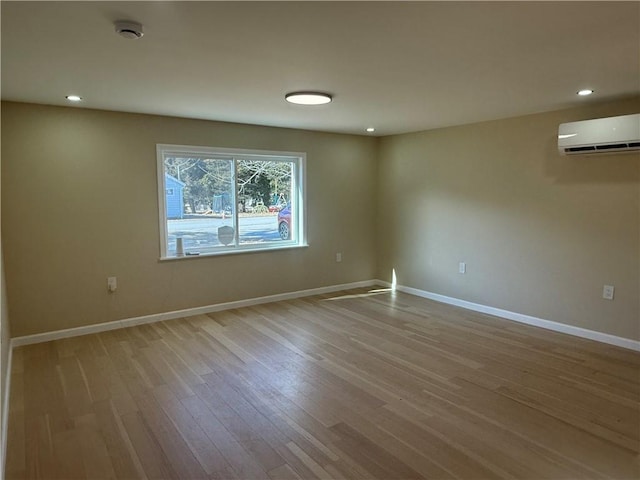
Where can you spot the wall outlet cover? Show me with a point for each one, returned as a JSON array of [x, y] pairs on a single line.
[[112, 284]]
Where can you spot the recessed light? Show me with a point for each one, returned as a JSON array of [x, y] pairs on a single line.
[[585, 92], [371, 129], [308, 98], [74, 98]]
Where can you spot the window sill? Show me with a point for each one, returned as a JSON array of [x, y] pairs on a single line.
[[235, 252]]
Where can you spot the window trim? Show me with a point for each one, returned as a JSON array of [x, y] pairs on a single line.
[[298, 200]]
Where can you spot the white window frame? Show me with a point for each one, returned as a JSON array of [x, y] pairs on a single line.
[[298, 196]]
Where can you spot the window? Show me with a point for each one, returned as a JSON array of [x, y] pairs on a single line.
[[219, 201]]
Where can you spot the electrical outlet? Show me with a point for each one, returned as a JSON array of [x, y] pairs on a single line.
[[462, 267], [607, 292], [112, 284], [338, 257]]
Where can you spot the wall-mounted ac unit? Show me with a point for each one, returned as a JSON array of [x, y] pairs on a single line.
[[601, 135]]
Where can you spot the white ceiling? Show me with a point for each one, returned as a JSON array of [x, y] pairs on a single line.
[[397, 66]]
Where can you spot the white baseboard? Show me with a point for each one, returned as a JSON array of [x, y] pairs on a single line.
[[521, 318], [159, 317], [5, 413]]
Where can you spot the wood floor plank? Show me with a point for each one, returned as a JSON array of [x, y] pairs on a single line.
[[95, 455], [242, 462], [148, 449], [175, 449], [284, 472], [199, 444], [361, 384], [67, 446], [122, 453], [375, 458]]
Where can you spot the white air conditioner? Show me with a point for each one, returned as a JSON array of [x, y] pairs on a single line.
[[601, 135]]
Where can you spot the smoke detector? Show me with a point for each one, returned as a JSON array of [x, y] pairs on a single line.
[[130, 30]]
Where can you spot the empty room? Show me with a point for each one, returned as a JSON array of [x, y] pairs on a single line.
[[320, 240]]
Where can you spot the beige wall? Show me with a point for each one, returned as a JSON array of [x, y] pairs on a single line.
[[80, 204], [540, 233]]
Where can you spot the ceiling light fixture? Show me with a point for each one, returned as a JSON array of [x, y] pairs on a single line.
[[73, 98], [585, 92], [308, 98], [371, 129]]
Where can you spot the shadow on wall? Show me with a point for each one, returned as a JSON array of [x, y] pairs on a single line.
[[591, 169]]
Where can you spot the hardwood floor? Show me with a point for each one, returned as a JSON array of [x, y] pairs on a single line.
[[360, 384]]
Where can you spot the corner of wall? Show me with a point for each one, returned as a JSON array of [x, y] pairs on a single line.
[[5, 360], [539, 233], [378, 239]]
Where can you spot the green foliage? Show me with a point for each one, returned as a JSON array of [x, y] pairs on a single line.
[[204, 178]]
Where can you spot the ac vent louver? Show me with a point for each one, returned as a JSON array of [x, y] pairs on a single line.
[[580, 149]]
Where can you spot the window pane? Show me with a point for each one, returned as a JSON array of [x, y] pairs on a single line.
[[264, 191], [204, 217], [229, 200]]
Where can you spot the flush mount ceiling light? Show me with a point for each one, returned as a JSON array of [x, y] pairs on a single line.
[[585, 92], [130, 30], [308, 98], [73, 98], [371, 129]]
